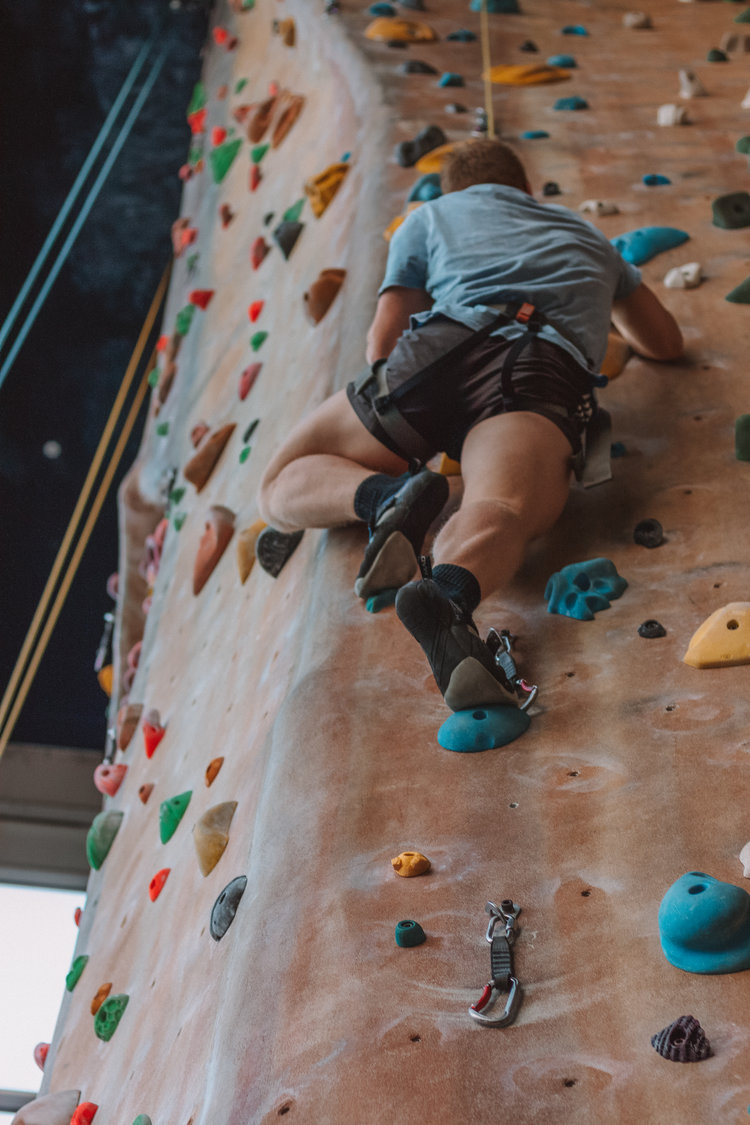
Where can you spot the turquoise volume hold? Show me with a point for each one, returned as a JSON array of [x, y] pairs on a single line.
[[704, 925], [482, 728]]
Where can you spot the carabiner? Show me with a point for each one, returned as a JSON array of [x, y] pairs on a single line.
[[488, 998]]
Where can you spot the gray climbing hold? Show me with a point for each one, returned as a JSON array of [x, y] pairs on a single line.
[[462, 36], [225, 907], [651, 630], [274, 548], [648, 533], [732, 211], [683, 1040], [409, 152], [286, 235], [416, 66]]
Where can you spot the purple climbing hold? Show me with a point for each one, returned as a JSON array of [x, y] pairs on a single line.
[[683, 1040]]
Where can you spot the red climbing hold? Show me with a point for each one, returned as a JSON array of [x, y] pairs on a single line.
[[108, 778], [198, 432], [218, 135], [240, 112], [156, 885], [40, 1054], [221, 36], [247, 379], [256, 308], [201, 297], [258, 250], [197, 121], [161, 344], [84, 1114], [255, 176], [77, 915], [273, 89], [153, 732]]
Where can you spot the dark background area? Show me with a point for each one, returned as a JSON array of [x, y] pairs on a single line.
[[61, 68]]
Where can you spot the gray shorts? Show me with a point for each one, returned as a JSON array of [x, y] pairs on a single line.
[[545, 380]]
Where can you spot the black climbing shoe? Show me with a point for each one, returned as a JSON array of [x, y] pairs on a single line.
[[274, 548], [466, 669], [396, 534]]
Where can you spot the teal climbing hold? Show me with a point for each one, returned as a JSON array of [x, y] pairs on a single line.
[[566, 61], [222, 158], [101, 834], [462, 36], [257, 340], [654, 179], [639, 246], [258, 152], [184, 319], [409, 933], [704, 925], [74, 974], [382, 9], [496, 7], [732, 211], [574, 29], [198, 99], [743, 145], [534, 135], [171, 813], [740, 295], [482, 728], [450, 79], [109, 1015], [742, 438], [292, 214], [427, 187], [716, 55], [143, 1119], [382, 600], [573, 102], [582, 589]]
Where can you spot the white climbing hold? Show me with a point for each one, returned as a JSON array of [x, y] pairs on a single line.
[[636, 19], [746, 101], [691, 85], [598, 207], [745, 860], [671, 115], [688, 276]]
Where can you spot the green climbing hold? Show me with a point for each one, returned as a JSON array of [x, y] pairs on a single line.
[[153, 377], [109, 1016], [257, 340], [176, 495], [198, 100], [104, 828], [240, 85], [292, 214], [162, 428], [244, 454], [742, 17], [409, 933], [743, 145], [179, 520], [740, 295], [222, 158], [195, 153], [184, 319], [732, 211], [258, 152], [143, 1118], [171, 813], [717, 55], [742, 438], [74, 975]]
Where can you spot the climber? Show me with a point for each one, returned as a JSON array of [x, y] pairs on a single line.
[[491, 321]]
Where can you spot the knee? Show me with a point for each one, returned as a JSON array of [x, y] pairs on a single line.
[[482, 519]]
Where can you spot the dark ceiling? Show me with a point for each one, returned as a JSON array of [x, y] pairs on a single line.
[[61, 68]]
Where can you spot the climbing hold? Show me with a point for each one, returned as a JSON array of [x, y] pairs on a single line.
[[684, 277], [495, 7], [156, 885], [100, 996], [381, 9], [690, 85], [246, 541], [733, 43], [534, 135], [744, 860], [637, 20], [292, 214], [218, 134], [529, 46], [704, 925], [716, 55], [171, 813], [655, 179], [426, 188], [197, 121], [255, 177], [551, 188], [574, 102], [451, 79], [201, 465], [250, 430], [723, 639], [212, 770], [639, 246], [247, 379], [732, 211], [743, 146], [383, 600], [415, 5], [74, 973], [409, 933], [286, 30], [143, 1119], [286, 235], [127, 721], [322, 293], [108, 777], [184, 319], [100, 836], [291, 107], [582, 589], [742, 437], [84, 1114], [651, 630], [254, 310], [683, 1040], [225, 907], [409, 152], [201, 298], [268, 218], [565, 61], [257, 340], [40, 1054], [743, 16], [598, 207], [211, 835], [463, 35], [221, 36], [219, 529], [321, 189], [409, 864], [672, 115], [109, 1015], [416, 66], [274, 549], [222, 157], [260, 118], [388, 30], [648, 533], [145, 791], [482, 728], [198, 98], [258, 250], [221, 92], [740, 295], [574, 29], [529, 74], [258, 152]]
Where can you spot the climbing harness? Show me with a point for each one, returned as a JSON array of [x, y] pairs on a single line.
[[499, 644], [501, 979]]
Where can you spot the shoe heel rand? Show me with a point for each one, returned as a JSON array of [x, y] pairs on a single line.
[[471, 685]]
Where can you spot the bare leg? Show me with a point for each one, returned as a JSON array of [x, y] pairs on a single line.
[[312, 478]]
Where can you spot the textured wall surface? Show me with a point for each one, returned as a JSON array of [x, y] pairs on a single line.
[[632, 772]]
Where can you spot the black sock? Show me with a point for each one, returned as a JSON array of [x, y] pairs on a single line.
[[459, 585], [373, 491]]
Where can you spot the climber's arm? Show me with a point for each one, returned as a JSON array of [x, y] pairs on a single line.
[[395, 306], [648, 327]]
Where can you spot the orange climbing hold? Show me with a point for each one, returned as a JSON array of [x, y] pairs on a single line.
[[218, 135], [218, 530], [259, 249], [254, 311], [246, 541], [433, 161], [128, 718], [526, 74], [394, 224], [108, 777], [201, 465], [247, 379], [448, 467], [322, 294], [392, 30], [84, 1114], [321, 189], [77, 915], [201, 298], [290, 109], [145, 792], [211, 835], [156, 886], [286, 30], [197, 121], [100, 996], [212, 770], [198, 432], [40, 1054], [153, 732], [260, 119]]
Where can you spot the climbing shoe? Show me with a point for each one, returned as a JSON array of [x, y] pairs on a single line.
[[397, 532], [468, 671], [274, 548]]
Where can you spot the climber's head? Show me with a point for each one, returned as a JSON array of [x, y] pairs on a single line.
[[482, 162]]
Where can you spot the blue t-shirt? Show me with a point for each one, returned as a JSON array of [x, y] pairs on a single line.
[[490, 244]]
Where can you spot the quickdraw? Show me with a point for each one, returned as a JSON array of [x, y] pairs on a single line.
[[502, 979]]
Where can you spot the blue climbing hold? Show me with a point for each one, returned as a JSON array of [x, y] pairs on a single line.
[[382, 600], [617, 449], [654, 179], [704, 925], [582, 589], [566, 61], [496, 7], [382, 10], [462, 36], [534, 135], [639, 246], [426, 188], [573, 102], [482, 728], [574, 29], [450, 79]]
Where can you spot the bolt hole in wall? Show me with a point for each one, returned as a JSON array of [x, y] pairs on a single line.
[[416, 1038], [585, 894], [569, 1082]]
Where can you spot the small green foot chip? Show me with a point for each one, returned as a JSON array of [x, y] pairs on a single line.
[[409, 933], [740, 295], [742, 437], [257, 153], [222, 158], [743, 145], [179, 520], [382, 600], [198, 99], [257, 340], [240, 85], [74, 975], [109, 1016], [184, 319], [101, 834], [292, 214], [176, 495], [171, 813], [142, 1119], [482, 728], [153, 377], [244, 454], [162, 429]]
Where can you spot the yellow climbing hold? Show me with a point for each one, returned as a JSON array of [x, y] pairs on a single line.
[[526, 74], [433, 160], [394, 224], [387, 29], [246, 541], [321, 189], [617, 355], [723, 638], [448, 467], [211, 835], [105, 676], [410, 863]]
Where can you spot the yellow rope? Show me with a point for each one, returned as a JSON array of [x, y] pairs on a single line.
[[486, 66], [6, 727]]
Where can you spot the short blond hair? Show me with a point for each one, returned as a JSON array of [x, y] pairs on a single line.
[[482, 162]]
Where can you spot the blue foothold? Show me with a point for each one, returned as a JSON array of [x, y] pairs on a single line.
[[534, 134], [639, 246], [566, 61], [617, 449], [654, 179], [574, 102], [482, 728], [382, 600], [582, 589], [426, 188], [574, 29], [382, 9], [704, 925], [450, 79], [462, 36]]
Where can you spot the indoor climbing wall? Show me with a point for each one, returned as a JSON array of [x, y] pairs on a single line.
[[238, 957]]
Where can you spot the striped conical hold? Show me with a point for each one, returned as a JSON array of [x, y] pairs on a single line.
[[684, 1040]]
